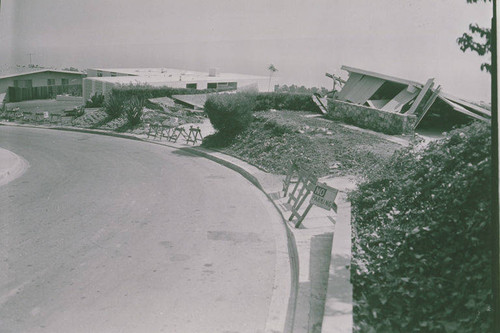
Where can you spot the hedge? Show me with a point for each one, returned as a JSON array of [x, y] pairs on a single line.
[[284, 101], [422, 244], [145, 92]]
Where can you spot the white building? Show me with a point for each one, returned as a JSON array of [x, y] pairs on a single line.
[[102, 80]]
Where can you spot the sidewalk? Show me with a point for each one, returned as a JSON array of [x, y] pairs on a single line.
[[11, 166], [318, 298]]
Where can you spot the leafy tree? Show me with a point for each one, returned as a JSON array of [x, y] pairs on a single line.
[[477, 40]]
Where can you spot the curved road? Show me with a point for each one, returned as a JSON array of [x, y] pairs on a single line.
[[103, 234]]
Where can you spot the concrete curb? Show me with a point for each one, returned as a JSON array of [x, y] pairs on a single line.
[[12, 166]]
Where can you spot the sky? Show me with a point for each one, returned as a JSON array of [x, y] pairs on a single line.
[[414, 39]]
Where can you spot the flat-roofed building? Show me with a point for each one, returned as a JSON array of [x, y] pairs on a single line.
[[102, 80]]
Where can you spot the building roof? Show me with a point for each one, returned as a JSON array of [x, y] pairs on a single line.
[[19, 71], [382, 76], [159, 75], [197, 101]]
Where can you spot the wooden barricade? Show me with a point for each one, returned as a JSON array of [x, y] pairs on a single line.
[[291, 177], [322, 196], [153, 130], [169, 130], [304, 186], [194, 135], [176, 133]]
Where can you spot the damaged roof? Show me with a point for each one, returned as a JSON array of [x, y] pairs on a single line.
[[393, 94]]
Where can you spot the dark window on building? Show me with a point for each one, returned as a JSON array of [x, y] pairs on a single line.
[[113, 74], [64, 82], [99, 73], [212, 85], [233, 84], [51, 82], [191, 85]]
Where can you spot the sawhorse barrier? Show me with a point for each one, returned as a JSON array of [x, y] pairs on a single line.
[[176, 133], [194, 135], [173, 133], [155, 130]]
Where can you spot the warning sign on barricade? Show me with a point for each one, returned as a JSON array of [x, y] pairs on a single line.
[[194, 135], [324, 196]]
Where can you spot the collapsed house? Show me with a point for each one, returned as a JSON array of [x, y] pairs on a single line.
[[395, 106]]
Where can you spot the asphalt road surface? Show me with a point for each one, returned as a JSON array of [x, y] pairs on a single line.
[[103, 234]]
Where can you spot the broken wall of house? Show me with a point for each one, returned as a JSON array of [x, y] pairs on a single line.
[[371, 118]]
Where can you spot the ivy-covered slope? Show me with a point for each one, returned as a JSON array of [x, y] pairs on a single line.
[[422, 243]]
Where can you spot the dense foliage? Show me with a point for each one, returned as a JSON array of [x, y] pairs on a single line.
[[294, 89], [113, 105], [422, 244], [96, 101], [230, 113], [134, 110]]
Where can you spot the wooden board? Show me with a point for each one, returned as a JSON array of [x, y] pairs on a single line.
[[397, 103], [353, 80], [364, 89], [428, 85]]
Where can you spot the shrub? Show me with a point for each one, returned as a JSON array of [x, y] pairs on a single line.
[[96, 101], [230, 113], [114, 105], [422, 244], [134, 109]]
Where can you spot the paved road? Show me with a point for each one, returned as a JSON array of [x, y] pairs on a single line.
[[103, 234]]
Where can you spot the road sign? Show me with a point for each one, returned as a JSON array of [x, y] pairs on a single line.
[[324, 196]]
